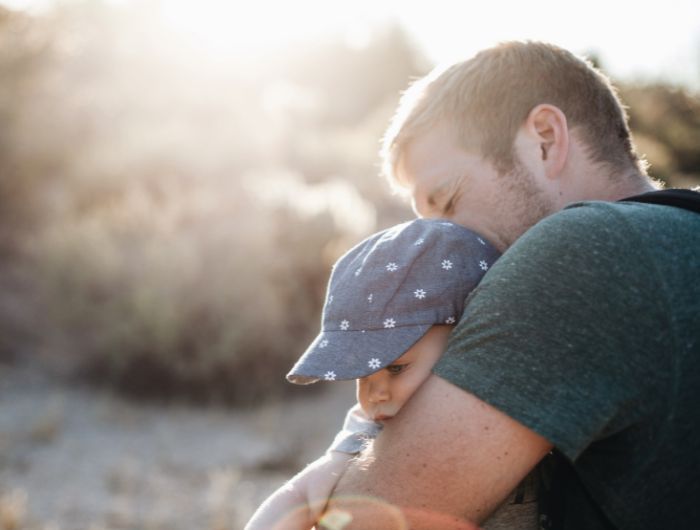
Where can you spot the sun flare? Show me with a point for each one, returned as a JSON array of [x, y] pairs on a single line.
[[242, 27]]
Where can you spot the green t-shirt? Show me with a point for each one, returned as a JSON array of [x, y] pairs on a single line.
[[587, 331]]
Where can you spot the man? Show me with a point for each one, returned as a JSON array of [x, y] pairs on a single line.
[[584, 337]]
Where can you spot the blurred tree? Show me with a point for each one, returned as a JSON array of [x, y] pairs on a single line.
[[353, 81], [354, 93], [26, 50], [666, 123]]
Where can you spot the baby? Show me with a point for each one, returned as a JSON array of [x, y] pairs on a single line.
[[390, 306]]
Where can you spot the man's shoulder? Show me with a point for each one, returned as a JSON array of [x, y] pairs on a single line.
[[599, 248], [589, 214], [580, 227], [600, 224]]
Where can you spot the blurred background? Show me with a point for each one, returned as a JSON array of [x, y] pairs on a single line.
[[176, 179]]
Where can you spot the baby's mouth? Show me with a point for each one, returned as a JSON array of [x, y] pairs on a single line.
[[382, 417]]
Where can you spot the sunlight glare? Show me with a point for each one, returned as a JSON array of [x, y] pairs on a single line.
[[241, 27]]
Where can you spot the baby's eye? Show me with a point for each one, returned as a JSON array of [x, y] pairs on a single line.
[[395, 369]]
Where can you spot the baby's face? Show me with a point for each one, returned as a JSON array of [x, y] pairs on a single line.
[[382, 394]]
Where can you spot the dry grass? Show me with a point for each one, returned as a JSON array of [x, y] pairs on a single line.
[[222, 511], [48, 426], [13, 510], [115, 464]]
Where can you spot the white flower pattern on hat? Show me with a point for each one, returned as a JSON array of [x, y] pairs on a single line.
[[401, 262]]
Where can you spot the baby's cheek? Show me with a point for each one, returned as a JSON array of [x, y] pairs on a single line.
[[363, 400], [412, 386]]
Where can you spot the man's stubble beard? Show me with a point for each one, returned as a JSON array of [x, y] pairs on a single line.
[[526, 203]]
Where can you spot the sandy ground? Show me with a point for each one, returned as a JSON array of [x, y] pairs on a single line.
[[74, 458]]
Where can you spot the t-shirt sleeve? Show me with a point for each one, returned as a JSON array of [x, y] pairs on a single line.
[[357, 431], [560, 334]]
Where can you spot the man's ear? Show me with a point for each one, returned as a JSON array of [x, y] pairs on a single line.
[[547, 125]]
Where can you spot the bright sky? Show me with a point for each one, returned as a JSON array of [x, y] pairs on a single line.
[[634, 39]]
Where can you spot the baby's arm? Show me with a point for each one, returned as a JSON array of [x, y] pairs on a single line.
[[299, 503]]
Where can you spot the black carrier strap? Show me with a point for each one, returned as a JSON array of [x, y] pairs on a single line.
[[680, 198]]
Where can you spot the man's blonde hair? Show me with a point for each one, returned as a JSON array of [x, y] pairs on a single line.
[[485, 99]]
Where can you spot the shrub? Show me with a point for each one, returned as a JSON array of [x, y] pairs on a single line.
[[198, 290]]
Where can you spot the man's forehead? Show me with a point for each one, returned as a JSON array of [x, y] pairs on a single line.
[[431, 156], [428, 152]]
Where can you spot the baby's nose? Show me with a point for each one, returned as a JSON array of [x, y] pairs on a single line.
[[379, 390]]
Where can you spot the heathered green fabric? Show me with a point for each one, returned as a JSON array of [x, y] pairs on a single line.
[[587, 331]]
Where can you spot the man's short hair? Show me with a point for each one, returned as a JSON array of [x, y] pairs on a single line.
[[486, 98]]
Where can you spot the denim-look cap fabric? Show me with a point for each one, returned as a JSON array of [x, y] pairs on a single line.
[[386, 293]]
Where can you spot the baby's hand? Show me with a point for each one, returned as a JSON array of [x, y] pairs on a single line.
[[299, 503], [321, 479]]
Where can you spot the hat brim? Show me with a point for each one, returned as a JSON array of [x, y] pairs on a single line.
[[343, 355]]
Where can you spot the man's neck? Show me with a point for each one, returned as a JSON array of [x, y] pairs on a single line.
[[631, 184], [619, 187]]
